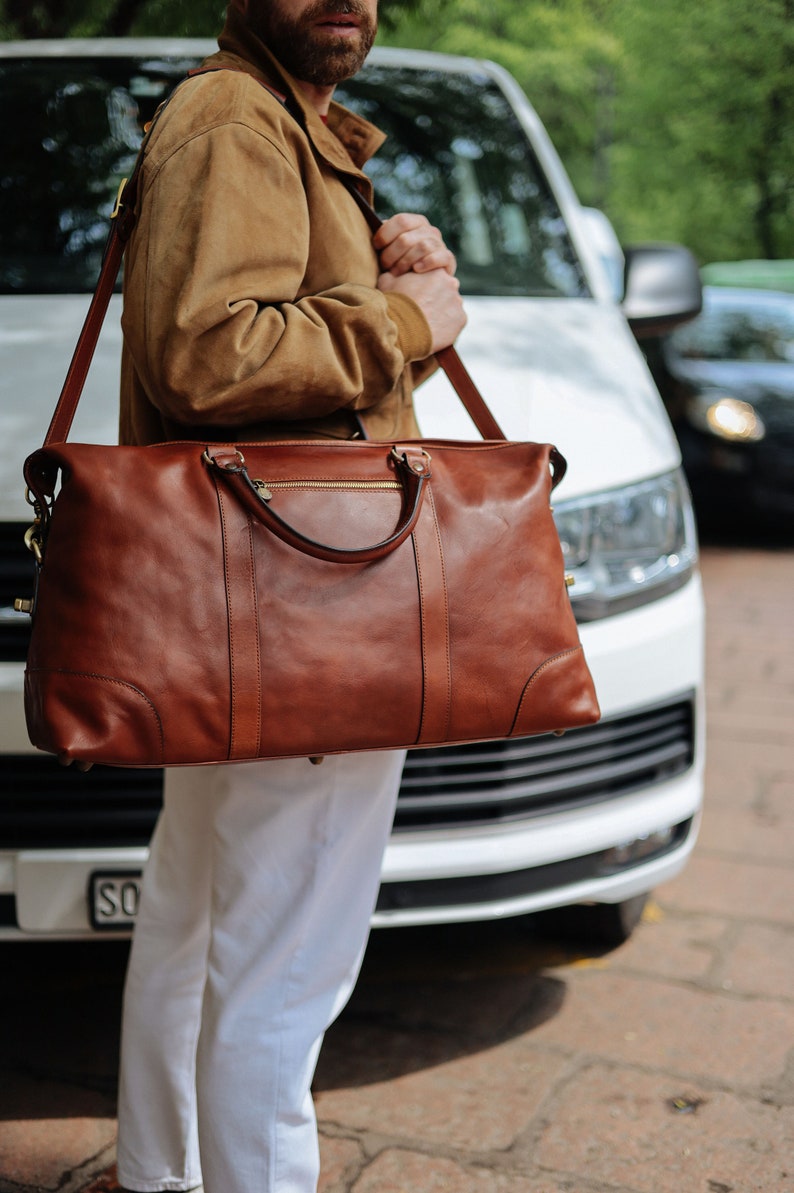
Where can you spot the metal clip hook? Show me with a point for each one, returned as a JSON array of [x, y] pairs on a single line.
[[32, 541], [117, 206]]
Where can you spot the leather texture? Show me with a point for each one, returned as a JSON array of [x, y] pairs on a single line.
[[416, 597]]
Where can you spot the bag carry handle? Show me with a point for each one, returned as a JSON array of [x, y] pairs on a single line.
[[412, 465], [122, 223]]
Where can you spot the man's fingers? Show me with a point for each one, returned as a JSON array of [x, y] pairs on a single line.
[[409, 243], [421, 257], [399, 225]]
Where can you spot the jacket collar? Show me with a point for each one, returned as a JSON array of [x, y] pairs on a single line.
[[346, 138]]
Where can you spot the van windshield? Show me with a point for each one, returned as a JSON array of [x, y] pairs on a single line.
[[455, 152], [71, 134]]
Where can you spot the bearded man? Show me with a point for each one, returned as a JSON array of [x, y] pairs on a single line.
[[258, 306]]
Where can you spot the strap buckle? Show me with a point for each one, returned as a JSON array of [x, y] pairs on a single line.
[[118, 205]]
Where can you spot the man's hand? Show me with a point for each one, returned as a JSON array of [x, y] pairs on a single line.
[[437, 294], [416, 262], [409, 243]]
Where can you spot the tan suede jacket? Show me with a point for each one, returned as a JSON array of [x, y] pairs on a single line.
[[250, 301]]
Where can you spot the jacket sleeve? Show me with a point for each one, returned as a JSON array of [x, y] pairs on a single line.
[[218, 314]]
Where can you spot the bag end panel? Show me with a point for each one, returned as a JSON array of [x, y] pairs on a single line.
[[86, 717], [559, 695]]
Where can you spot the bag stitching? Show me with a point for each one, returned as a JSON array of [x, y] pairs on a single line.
[[538, 670], [112, 679]]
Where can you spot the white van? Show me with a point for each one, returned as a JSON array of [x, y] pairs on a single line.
[[590, 821]]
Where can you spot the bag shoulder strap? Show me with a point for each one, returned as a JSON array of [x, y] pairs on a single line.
[[121, 226], [448, 358], [122, 222]]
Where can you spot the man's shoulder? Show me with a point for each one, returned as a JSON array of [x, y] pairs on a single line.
[[221, 93], [232, 70]]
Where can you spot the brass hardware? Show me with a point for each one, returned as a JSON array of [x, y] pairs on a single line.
[[118, 204], [262, 490], [403, 459], [229, 467], [32, 540], [23, 605], [570, 580]]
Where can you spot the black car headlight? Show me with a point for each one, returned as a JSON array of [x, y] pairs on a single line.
[[628, 546], [726, 417]]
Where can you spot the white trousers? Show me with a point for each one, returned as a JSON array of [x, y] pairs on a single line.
[[254, 916]]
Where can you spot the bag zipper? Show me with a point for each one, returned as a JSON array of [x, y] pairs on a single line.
[[267, 488]]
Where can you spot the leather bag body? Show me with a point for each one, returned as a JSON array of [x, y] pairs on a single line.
[[287, 599]]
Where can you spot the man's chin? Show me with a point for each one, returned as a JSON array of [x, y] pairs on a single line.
[[333, 61], [320, 56]]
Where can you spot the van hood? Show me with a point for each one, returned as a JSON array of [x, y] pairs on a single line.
[[37, 339], [563, 371]]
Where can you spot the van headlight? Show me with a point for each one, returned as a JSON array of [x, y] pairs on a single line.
[[627, 546]]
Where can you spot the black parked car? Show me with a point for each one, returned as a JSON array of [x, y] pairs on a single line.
[[727, 379]]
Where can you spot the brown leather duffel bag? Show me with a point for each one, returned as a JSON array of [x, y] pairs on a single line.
[[202, 603], [297, 598]]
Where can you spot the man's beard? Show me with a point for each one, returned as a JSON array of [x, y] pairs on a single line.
[[314, 58]]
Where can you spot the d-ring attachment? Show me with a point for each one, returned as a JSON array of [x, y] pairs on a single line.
[[410, 459], [230, 461]]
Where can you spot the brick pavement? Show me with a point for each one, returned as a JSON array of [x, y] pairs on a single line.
[[481, 1059]]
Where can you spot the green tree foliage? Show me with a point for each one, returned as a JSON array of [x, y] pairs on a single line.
[[109, 18], [674, 117], [703, 149]]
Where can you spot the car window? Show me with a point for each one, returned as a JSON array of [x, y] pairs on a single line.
[[454, 151], [757, 331]]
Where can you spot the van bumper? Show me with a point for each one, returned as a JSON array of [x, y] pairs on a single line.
[[648, 656]]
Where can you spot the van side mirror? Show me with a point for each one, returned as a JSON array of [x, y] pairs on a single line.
[[662, 288]]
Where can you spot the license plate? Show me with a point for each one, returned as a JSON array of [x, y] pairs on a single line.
[[113, 898]]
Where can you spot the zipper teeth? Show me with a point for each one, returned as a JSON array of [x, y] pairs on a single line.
[[321, 484]]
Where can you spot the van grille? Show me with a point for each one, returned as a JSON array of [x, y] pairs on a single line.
[[510, 780], [43, 805]]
